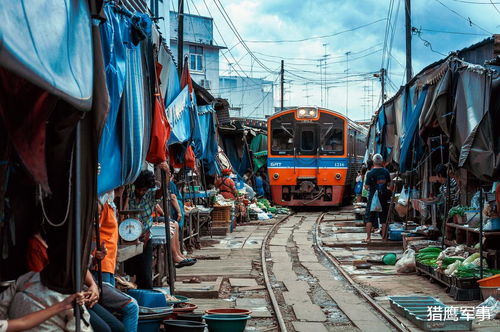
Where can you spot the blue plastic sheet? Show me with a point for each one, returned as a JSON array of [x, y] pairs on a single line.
[[49, 43], [209, 139], [411, 117], [178, 115], [122, 148], [114, 53], [133, 117]]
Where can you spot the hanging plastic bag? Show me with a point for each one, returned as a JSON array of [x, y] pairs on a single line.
[[375, 206], [358, 188], [403, 197], [406, 264]]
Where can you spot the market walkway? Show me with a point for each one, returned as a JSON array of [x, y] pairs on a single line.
[[230, 271], [343, 237], [318, 298]]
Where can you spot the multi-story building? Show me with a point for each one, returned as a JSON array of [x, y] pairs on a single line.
[[199, 47], [248, 97]]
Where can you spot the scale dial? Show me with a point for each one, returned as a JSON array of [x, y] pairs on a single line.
[[130, 229]]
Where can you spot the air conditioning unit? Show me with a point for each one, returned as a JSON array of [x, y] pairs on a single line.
[[205, 84]]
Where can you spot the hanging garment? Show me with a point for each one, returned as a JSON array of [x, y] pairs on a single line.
[[160, 131]]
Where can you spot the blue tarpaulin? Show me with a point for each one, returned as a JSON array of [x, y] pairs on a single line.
[[208, 140], [178, 115], [411, 117], [121, 150], [49, 43], [110, 155]]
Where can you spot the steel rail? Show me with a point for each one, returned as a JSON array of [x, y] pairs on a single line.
[[274, 302], [396, 323]]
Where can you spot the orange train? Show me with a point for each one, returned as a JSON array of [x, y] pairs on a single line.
[[313, 156]]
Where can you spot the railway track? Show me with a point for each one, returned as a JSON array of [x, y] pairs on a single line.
[[308, 288]]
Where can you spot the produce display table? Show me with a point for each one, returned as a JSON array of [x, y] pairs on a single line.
[[194, 220]]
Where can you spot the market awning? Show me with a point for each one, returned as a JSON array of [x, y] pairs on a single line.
[[52, 50], [179, 118]]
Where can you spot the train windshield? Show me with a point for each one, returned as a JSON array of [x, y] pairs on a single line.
[[332, 136], [282, 140]]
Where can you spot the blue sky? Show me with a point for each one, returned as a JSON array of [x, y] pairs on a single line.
[[260, 23]]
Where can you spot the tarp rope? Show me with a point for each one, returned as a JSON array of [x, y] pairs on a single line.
[[69, 197]]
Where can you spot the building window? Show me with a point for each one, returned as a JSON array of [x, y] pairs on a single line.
[[195, 58]]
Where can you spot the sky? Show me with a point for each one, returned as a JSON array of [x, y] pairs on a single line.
[[372, 32]]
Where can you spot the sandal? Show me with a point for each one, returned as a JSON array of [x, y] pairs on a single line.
[[185, 262], [193, 280]]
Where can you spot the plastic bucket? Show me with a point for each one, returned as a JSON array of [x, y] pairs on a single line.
[[149, 325], [228, 311], [183, 326], [226, 323]]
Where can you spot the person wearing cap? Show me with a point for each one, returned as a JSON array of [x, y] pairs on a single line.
[[226, 185], [377, 180]]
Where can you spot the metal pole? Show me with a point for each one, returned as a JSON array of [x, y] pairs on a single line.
[[166, 208], [282, 83], [347, 85], [481, 204], [408, 40], [98, 248], [180, 37], [77, 225], [382, 81]]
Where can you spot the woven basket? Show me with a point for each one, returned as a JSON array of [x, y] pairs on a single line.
[[221, 214]]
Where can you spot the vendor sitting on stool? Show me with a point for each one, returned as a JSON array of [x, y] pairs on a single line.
[[226, 185]]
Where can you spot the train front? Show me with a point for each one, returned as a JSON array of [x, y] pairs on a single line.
[[307, 157]]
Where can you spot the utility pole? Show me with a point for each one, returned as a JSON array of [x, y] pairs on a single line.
[[382, 82], [347, 84], [408, 40], [282, 83], [180, 37]]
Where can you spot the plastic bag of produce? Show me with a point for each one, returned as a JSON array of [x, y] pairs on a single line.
[[406, 264], [403, 197], [452, 268], [375, 205]]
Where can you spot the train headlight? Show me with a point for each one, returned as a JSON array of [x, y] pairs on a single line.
[[338, 176], [276, 176], [307, 112]]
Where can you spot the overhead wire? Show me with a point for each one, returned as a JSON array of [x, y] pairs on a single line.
[[463, 17], [231, 25], [315, 37]]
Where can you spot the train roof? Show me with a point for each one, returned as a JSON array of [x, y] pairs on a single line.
[[350, 122]]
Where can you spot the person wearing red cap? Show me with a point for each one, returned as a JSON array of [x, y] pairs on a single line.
[[226, 185]]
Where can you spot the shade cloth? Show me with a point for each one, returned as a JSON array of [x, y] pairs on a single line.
[[49, 43]]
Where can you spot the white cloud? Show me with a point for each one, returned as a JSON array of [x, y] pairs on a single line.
[[297, 19]]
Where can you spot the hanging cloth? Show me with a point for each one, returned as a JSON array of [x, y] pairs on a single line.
[[160, 131]]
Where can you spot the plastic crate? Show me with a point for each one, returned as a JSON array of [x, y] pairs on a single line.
[[221, 214], [466, 283], [465, 294]]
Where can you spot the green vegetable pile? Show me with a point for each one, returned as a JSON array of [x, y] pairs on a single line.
[[428, 256], [473, 271], [458, 210]]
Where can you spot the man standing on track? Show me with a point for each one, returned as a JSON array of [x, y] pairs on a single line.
[[377, 180]]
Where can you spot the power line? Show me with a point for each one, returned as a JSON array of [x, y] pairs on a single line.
[[231, 25], [455, 32], [475, 3], [465, 18], [427, 43], [494, 6], [314, 37]]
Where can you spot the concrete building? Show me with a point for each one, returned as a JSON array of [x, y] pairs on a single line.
[[248, 97], [199, 47]]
